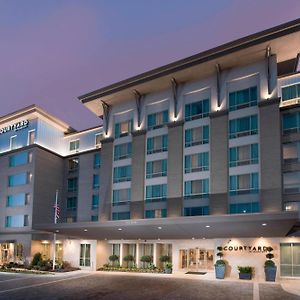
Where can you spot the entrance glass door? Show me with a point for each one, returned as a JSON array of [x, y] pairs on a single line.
[[4, 253], [196, 259], [290, 259]]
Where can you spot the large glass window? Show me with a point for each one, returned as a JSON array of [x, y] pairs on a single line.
[[196, 211], [291, 152], [96, 181], [291, 122], [243, 184], [85, 255], [72, 184], [156, 213], [74, 146], [156, 193], [19, 179], [243, 155], [16, 221], [95, 201], [31, 137], [196, 188], [244, 208], [97, 160], [19, 159], [291, 92], [156, 168], [196, 162], [243, 127], [243, 98], [157, 120], [123, 128], [157, 144], [121, 197], [71, 203], [121, 215], [13, 142], [122, 174], [196, 110], [122, 151], [290, 259], [73, 164], [196, 136], [291, 182], [98, 138], [20, 199]]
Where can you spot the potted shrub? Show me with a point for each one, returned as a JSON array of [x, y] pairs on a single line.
[[113, 258], [168, 268], [270, 267], [129, 259], [166, 260], [146, 259], [245, 272], [220, 265]]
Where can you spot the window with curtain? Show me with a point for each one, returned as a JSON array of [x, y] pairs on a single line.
[[121, 197], [19, 179], [95, 201], [243, 126], [291, 122], [196, 162], [243, 98], [243, 155], [74, 146], [157, 144], [156, 213], [291, 92], [197, 110], [85, 255], [122, 151], [291, 182], [19, 199], [96, 181], [196, 136], [243, 184], [73, 164], [156, 193], [196, 188], [156, 168], [291, 152], [122, 174], [20, 159], [157, 120], [97, 160], [123, 128], [16, 221]]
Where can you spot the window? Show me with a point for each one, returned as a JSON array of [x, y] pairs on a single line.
[[197, 110], [292, 206], [97, 160], [196, 211], [196, 189], [72, 184], [122, 151], [290, 259], [243, 155], [96, 181], [20, 159], [243, 98], [16, 221], [243, 127], [157, 120], [94, 218], [156, 193], [243, 184], [121, 197], [20, 199], [291, 123], [73, 164], [244, 208], [156, 168], [31, 137], [19, 179], [121, 215], [291, 152], [85, 255], [71, 203], [157, 144], [74, 146], [122, 174], [291, 92], [123, 128], [291, 182], [13, 142], [116, 249], [71, 219], [95, 201], [196, 136], [156, 213], [196, 162], [98, 138], [19, 251]]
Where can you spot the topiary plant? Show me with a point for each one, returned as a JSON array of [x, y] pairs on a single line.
[[129, 259], [147, 259], [269, 262], [37, 259], [113, 258]]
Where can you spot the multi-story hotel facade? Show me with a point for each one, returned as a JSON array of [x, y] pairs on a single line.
[[197, 154]]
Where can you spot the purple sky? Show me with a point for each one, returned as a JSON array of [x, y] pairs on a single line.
[[52, 51]]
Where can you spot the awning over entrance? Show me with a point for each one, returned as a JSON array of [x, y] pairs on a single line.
[[223, 226]]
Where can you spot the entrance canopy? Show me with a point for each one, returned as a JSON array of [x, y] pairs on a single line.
[[222, 226]]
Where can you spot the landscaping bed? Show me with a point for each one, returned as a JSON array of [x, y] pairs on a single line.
[[132, 270]]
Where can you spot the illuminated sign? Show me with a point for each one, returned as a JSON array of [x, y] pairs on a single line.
[[15, 127], [252, 249]]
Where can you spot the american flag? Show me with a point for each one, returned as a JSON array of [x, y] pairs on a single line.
[[56, 212]]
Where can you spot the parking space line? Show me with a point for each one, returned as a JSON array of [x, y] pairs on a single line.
[[12, 279], [43, 283]]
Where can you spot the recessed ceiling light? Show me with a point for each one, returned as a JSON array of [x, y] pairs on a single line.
[[105, 239], [85, 230], [264, 224], [56, 230], [244, 211], [139, 239], [203, 238], [207, 226], [120, 229], [158, 239], [193, 238], [159, 227]]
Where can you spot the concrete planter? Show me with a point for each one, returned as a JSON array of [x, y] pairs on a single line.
[[246, 276], [270, 273], [168, 271], [220, 271]]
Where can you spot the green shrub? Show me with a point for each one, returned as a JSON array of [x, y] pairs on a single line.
[[37, 258], [165, 258], [220, 262], [269, 256], [168, 265], [146, 259], [269, 263], [246, 269]]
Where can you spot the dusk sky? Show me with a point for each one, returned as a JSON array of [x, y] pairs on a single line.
[[52, 51]]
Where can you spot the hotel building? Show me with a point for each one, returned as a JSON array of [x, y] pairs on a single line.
[[200, 153]]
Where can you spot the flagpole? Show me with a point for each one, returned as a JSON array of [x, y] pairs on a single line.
[[54, 235]]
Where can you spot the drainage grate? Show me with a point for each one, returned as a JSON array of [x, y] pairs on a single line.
[[196, 273]]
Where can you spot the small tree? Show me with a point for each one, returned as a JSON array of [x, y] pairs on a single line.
[[165, 259], [37, 259], [113, 258], [220, 254], [269, 262], [146, 259], [129, 259]]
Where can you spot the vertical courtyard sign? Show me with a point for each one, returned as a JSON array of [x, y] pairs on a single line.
[[15, 126]]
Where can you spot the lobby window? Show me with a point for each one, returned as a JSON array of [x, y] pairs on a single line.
[[13, 142], [73, 164], [196, 162], [96, 181], [156, 193], [94, 218], [74, 146], [98, 138], [290, 259], [243, 184], [123, 129], [243, 98], [122, 151], [291, 92], [196, 189], [291, 152], [196, 211], [243, 126], [31, 137], [71, 203], [16, 221], [121, 197], [292, 206], [244, 208], [125, 215], [156, 168], [291, 123], [19, 179], [97, 160], [291, 182], [85, 255], [122, 174], [71, 219], [156, 213], [243, 155], [20, 159], [95, 201], [197, 110], [20, 199], [157, 120], [196, 136], [157, 144], [72, 184]]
